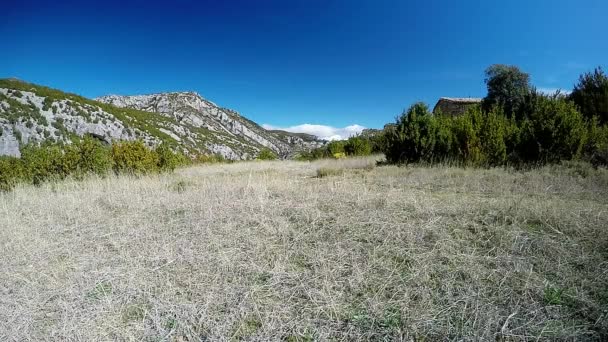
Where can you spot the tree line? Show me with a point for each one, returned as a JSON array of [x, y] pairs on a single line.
[[515, 124]]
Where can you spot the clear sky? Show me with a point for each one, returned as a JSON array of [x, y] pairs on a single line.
[[290, 62]]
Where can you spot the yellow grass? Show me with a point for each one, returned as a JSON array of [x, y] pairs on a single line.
[[270, 251]]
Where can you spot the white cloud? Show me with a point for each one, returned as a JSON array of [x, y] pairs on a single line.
[[322, 131], [551, 91]]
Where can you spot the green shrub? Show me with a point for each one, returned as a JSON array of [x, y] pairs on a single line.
[[357, 146], [17, 134], [336, 146], [167, 159], [44, 162], [11, 172], [133, 157], [595, 148], [494, 130], [413, 137], [47, 103], [94, 157], [554, 131], [266, 154]]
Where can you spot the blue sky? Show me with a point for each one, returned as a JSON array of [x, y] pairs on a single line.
[[286, 63]]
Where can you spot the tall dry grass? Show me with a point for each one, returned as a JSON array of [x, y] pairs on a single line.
[[270, 251]]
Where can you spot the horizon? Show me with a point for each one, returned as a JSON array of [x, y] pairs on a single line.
[[311, 67]]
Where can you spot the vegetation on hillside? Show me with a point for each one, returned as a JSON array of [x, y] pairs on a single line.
[[86, 157], [266, 154]]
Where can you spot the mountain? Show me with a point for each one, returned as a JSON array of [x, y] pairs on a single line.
[[183, 120]]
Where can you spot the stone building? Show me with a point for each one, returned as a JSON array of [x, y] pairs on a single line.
[[455, 106]]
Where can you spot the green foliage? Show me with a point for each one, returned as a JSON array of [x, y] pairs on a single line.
[[47, 103], [266, 154], [86, 156], [11, 172], [357, 146], [554, 130], [493, 133], [518, 128], [591, 95], [507, 87], [167, 159], [595, 148], [133, 157], [334, 147], [17, 134], [413, 137], [93, 157], [45, 162]]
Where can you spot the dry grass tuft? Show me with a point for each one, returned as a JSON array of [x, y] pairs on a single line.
[[266, 251]]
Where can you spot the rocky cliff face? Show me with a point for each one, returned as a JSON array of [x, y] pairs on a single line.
[[191, 110], [185, 120]]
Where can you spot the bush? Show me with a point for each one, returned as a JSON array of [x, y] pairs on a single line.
[[44, 163], [17, 134], [466, 137], [93, 157], [595, 148], [133, 157], [167, 159], [11, 172], [266, 154], [357, 146], [493, 132], [413, 137], [554, 131]]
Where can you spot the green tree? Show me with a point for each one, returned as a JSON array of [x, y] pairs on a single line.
[[591, 95], [507, 86]]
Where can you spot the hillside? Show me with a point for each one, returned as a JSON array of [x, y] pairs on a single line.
[[186, 121]]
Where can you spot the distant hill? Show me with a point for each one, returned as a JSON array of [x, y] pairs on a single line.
[[184, 120]]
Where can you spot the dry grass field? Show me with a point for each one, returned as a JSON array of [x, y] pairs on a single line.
[[282, 251]]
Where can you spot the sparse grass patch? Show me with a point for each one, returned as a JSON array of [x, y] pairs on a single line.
[[101, 289], [327, 172]]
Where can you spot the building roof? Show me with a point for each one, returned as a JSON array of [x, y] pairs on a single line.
[[455, 105], [461, 99]]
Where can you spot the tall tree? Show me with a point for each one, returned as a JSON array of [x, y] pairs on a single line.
[[591, 95], [507, 87]]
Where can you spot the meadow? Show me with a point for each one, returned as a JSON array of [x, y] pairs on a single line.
[[302, 251]]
